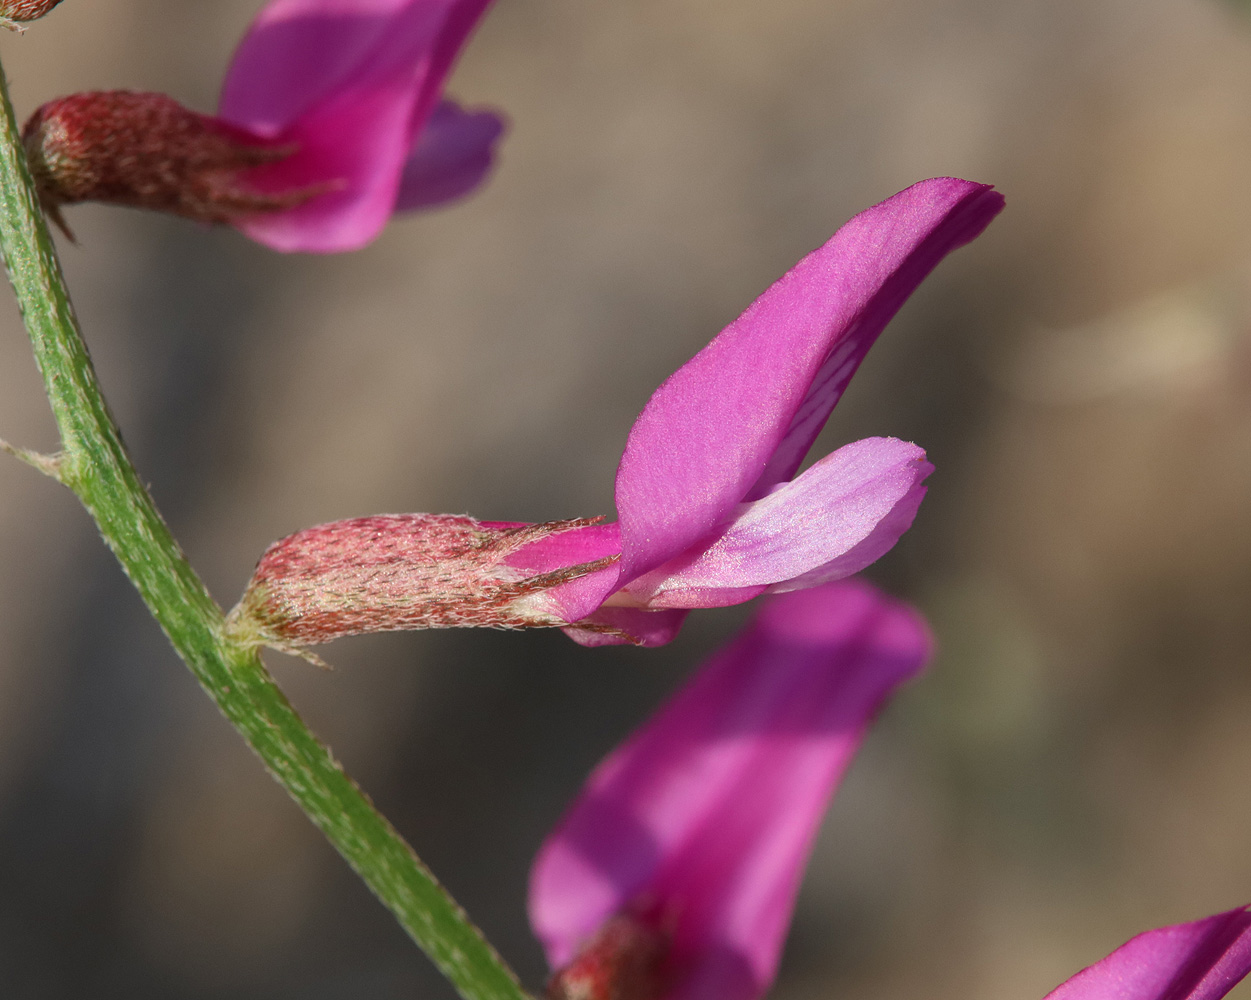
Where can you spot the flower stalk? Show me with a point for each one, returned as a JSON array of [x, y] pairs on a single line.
[[93, 463]]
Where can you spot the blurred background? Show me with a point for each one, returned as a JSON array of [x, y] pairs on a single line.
[[1074, 768]]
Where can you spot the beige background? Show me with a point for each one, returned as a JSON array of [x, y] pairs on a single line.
[[1074, 768]]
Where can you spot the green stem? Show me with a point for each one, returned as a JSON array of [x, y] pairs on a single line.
[[94, 464]]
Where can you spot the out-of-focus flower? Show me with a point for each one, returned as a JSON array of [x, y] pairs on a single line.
[[1202, 960], [711, 510], [355, 86], [15, 13], [331, 119], [674, 873], [147, 151]]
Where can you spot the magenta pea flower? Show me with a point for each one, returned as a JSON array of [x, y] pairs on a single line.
[[1202, 960], [331, 120], [711, 510], [674, 873]]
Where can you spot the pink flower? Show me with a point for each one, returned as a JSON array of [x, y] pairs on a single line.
[[354, 86], [711, 511], [674, 874], [1202, 960], [330, 121]]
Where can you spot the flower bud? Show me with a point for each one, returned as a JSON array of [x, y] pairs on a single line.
[[621, 962], [148, 151], [398, 571], [14, 13]]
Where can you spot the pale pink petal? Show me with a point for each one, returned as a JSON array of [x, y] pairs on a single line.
[[1203, 960], [802, 526], [350, 84], [703, 820], [879, 541], [453, 155], [738, 418]]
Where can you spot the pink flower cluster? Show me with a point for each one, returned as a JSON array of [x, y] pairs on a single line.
[[673, 875]]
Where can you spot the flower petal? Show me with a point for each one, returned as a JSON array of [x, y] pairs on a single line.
[[1202, 960], [356, 145], [739, 417], [349, 83], [702, 821], [598, 626], [627, 626], [453, 155], [575, 600], [803, 526], [863, 554]]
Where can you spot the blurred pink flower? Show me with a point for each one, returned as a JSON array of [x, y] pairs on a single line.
[[353, 87], [330, 121], [674, 873], [1202, 960]]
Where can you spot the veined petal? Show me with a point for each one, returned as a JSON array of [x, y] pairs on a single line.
[[802, 527], [738, 418], [453, 154], [1202, 960], [349, 83], [864, 553], [929, 220], [701, 823]]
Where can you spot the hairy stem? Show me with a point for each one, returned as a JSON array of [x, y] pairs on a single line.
[[94, 464]]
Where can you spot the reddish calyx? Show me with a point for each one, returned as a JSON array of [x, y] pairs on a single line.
[[146, 150], [399, 571], [622, 962], [14, 13]]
